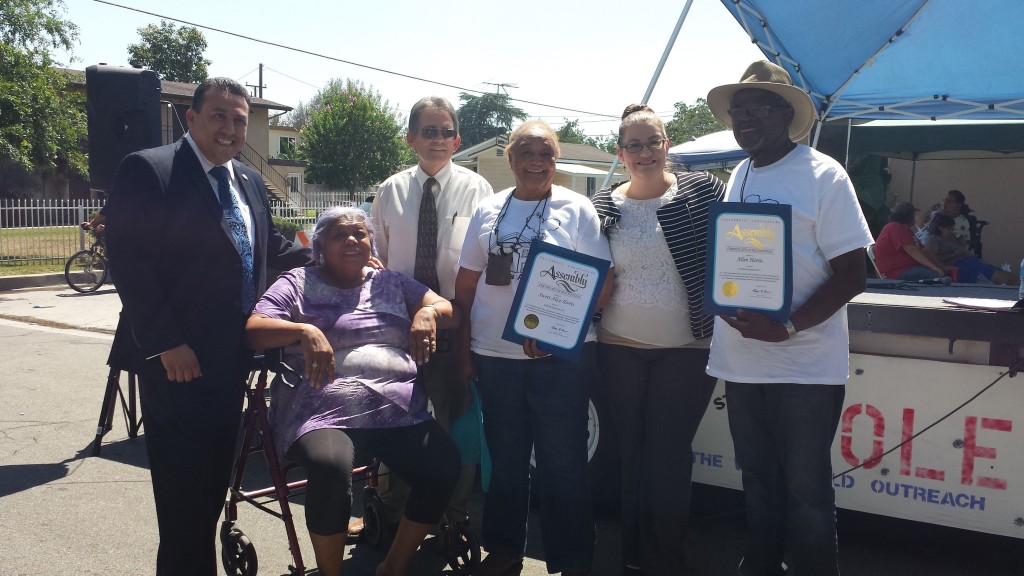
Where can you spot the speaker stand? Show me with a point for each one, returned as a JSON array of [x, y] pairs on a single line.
[[129, 408]]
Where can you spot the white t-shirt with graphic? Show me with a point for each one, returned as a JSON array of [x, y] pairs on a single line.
[[566, 219], [827, 222]]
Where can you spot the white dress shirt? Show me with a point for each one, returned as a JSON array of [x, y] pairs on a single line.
[[396, 214]]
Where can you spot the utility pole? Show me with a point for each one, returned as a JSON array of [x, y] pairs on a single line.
[[257, 90]]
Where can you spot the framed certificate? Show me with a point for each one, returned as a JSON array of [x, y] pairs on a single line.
[[750, 259], [555, 299]]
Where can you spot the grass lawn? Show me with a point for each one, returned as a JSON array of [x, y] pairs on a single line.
[[38, 250], [22, 270]]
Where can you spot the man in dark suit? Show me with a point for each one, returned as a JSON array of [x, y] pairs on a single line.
[[189, 238]]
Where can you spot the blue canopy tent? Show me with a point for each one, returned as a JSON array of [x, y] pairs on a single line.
[[715, 151], [890, 59], [895, 59]]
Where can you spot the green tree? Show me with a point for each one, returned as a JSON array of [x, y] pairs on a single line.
[[693, 121], [571, 133], [486, 116], [174, 53], [42, 123], [352, 137], [297, 118]]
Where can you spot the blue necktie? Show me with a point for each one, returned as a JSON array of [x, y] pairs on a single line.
[[233, 215]]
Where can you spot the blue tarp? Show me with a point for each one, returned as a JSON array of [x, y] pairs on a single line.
[[895, 59]]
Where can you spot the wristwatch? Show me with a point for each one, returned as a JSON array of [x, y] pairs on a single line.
[[790, 329]]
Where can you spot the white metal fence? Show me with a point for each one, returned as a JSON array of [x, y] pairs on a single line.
[[34, 232], [48, 232]]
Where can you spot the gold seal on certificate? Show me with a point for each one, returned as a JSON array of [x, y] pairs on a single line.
[[749, 259], [555, 299]]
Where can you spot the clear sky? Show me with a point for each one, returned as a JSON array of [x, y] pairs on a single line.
[[595, 56]]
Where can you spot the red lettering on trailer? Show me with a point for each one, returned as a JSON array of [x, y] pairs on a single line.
[[972, 451], [907, 450], [846, 439]]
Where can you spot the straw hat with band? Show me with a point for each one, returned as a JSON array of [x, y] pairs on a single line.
[[765, 75]]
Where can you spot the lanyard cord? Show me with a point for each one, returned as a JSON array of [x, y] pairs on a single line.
[[504, 211], [743, 185]]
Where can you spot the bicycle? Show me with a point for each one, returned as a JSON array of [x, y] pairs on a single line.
[[87, 270]]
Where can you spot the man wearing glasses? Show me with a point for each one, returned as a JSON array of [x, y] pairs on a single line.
[[785, 381], [421, 215]]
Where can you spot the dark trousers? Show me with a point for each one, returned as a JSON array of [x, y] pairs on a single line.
[[423, 455], [438, 377], [657, 399], [190, 430], [783, 435]]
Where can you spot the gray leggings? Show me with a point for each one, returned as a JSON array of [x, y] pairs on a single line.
[[423, 455]]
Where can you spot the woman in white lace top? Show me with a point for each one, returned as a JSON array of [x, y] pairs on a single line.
[[653, 338]]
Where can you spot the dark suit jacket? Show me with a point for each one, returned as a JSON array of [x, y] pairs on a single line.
[[178, 272]]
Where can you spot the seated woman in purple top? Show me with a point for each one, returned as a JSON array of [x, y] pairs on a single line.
[[359, 333]]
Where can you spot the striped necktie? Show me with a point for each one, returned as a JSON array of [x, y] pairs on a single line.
[[233, 216]]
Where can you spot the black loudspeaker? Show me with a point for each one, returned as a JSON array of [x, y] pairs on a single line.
[[123, 105]]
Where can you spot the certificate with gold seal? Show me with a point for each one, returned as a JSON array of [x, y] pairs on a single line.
[[556, 299], [750, 259]]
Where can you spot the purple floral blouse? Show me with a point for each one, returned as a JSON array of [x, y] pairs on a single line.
[[368, 327]]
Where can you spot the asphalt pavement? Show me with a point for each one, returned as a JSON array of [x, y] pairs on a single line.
[[65, 511]]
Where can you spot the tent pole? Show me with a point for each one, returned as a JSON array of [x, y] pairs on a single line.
[[817, 133], [849, 128], [654, 78], [913, 176]]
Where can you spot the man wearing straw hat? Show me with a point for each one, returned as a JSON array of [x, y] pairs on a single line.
[[785, 380]]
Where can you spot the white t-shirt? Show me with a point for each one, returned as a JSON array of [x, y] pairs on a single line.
[[396, 217], [566, 219], [827, 222]]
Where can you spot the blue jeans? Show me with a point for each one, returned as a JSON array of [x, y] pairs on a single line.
[[783, 435], [538, 405], [919, 273]]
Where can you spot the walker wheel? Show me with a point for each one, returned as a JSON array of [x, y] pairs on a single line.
[[237, 553], [461, 548], [375, 527]]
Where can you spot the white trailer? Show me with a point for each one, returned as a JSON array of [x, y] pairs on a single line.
[[916, 365]]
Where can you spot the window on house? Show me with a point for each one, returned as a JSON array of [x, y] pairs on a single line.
[[591, 186], [295, 182], [286, 147]]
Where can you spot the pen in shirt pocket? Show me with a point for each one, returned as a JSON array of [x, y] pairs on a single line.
[[454, 216]]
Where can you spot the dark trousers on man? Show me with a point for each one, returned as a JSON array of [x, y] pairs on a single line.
[[783, 435], [190, 430], [438, 377]]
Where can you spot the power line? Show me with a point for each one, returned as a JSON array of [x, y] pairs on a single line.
[[246, 74], [291, 77], [349, 62]]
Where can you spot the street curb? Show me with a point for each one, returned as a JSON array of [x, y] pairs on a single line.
[[54, 324], [31, 281]]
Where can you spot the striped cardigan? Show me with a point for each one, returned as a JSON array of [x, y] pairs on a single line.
[[684, 222]]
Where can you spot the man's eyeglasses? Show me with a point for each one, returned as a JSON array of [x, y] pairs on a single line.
[[637, 147], [752, 111], [430, 132]]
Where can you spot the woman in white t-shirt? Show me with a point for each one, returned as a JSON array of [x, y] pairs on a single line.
[[654, 337], [530, 401]]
